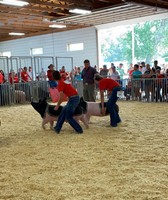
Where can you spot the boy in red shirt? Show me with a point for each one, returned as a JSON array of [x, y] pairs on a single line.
[[69, 109], [51, 80], [112, 87]]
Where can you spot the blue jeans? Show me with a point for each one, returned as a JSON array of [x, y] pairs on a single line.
[[114, 116], [67, 114]]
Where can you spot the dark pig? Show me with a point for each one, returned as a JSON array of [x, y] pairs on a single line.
[[49, 115]]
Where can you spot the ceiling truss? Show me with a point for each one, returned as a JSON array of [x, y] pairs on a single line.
[[35, 18]]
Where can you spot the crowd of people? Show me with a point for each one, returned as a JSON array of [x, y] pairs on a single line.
[[140, 80], [152, 81]]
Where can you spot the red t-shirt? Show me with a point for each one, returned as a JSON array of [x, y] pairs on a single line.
[[159, 80], [49, 75], [107, 84], [1, 78], [14, 79], [66, 88], [130, 73], [24, 76], [63, 74]]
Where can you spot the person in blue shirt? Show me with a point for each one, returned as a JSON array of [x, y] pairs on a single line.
[[78, 74], [136, 82]]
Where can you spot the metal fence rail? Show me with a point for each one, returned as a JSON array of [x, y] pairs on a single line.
[[21, 93], [146, 90]]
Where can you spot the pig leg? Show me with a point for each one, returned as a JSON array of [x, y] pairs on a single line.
[[43, 123], [84, 120], [87, 117], [51, 124], [46, 119]]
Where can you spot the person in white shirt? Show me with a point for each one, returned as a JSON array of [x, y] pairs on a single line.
[[143, 67], [42, 75], [114, 73], [30, 73]]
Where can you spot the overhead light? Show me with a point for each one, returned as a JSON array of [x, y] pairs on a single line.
[[19, 34], [80, 11], [57, 26], [46, 20], [14, 2]]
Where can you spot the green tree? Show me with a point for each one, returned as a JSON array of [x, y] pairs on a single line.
[[164, 43], [146, 37], [150, 42], [111, 51], [125, 42]]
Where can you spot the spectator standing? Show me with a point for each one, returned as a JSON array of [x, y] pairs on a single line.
[[42, 75], [30, 72], [88, 81], [114, 73], [104, 71], [148, 82], [136, 82], [13, 78], [156, 67], [130, 70], [78, 74], [19, 74], [51, 80], [63, 73], [1, 77], [143, 67], [159, 85], [24, 75], [121, 71], [121, 74], [1, 90], [26, 87]]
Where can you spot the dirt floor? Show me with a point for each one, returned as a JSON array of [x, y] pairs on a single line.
[[123, 163]]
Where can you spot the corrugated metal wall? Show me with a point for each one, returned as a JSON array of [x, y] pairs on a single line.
[[56, 45]]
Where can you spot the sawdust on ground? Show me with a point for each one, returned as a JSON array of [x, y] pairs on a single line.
[[123, 163]]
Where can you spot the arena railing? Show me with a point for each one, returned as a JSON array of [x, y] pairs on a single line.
[[22, 93], [146, 90]]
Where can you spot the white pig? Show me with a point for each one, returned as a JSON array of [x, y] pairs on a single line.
[[94, 109]]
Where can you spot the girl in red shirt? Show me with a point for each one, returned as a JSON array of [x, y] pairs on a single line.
[[2, 77], [63, 73], [112, 87], [24, 75], [13, 78], [69, 109]]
